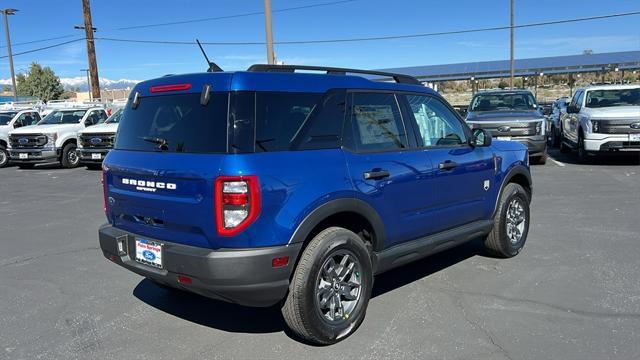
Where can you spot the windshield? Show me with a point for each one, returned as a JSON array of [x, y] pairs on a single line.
[[5, 117], [114, 118], [607, 98], [509, 101], [63, 117]]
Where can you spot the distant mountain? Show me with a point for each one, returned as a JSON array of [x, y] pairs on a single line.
[[80, 82]]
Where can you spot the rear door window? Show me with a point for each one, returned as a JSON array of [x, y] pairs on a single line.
[[376, 122], [175, 123]]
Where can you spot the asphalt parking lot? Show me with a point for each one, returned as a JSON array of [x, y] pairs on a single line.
[[573, 293]]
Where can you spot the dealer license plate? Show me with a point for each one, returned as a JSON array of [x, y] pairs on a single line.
[[23, 156], [149, 252], [95, 156], [634, 137], [505, 138]]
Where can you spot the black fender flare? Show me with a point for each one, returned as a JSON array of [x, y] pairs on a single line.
[[337, 206], [516, 170]]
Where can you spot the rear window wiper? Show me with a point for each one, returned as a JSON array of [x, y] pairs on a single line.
[[163, 144]]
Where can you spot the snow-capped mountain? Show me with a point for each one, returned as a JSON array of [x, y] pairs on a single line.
[[80, 82]]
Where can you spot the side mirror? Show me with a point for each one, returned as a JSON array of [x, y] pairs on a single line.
[[572, 109], [481, 138], [546, 110]]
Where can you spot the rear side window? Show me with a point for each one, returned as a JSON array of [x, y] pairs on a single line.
[[175, 123], [376, 121]]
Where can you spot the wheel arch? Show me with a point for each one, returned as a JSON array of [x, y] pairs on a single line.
[[520, 175]]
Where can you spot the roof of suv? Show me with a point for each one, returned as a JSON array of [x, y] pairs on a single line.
[[272, 81], [611, 87]]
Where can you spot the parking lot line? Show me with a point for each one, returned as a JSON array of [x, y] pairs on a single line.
[[559, 163]]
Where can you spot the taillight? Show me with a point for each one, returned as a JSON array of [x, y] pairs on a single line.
[[237, 203]]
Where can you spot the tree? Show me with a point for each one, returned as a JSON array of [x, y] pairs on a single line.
[[503, 84], [39, 82], [6, 88]]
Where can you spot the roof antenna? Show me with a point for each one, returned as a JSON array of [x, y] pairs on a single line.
[[213, 67]]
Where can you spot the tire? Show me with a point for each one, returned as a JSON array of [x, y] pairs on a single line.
[[4, 157], [540, 160], [94, 166], [304, 313], [70, 157], [555, 137], [583, 155], [26, 166], [503, 240], [563, 147]]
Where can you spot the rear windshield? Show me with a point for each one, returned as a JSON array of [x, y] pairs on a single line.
[[63, 117], [496, 102], [175, 123], [607, 98], [5, 117], [115, 117]]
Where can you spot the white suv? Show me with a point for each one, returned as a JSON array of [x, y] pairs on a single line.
[[54, 138], [12, 119], [602, 119]]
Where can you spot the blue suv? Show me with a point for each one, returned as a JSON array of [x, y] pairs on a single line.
[[274, 186]]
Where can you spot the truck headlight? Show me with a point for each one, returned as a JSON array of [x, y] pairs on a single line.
[[595, 126], [539, 128], [51, 139]]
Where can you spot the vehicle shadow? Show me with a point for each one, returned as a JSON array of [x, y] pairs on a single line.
[[240, 319], [614, 159]]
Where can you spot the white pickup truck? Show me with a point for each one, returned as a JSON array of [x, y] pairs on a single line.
[[11, 119], [95, 141], [54, 138], [602, 119]]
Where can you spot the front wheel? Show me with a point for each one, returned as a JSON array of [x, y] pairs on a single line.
[[4, 157], [330, 288], [70, 157], [511, 223]]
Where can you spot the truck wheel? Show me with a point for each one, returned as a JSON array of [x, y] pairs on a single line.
[[70, 157], [511, 222], [563, 147], [4, 156], [330, 288], [583, 155]]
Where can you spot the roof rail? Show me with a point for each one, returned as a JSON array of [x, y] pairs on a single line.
[[399, 78]]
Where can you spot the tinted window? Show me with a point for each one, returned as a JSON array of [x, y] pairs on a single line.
[[26, 119], [280, 117], [376, 121], [63, 117], [5, 117], [613, 97], [507, 101], [437, 125], [175, 123]]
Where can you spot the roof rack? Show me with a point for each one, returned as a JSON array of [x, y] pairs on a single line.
[[399, 78]]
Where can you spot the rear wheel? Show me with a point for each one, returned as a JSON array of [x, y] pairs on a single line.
[[4, 156], [511, 223], [330, 288], [563, 146], [70, 157]]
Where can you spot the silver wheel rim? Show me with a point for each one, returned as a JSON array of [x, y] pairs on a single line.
[[72, 156], [3, 157], [338, 287], [515, 221]]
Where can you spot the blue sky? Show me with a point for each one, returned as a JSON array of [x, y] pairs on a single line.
[[44, 19]]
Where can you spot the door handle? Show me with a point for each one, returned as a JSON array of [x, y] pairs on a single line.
[[448, 165], [376, 174]]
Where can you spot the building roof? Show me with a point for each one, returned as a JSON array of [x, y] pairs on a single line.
[[627, 60]]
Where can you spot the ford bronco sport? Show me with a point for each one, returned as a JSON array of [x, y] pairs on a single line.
[[511, 115], [271, 186]]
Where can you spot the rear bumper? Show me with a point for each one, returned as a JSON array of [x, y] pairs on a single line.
[[34, 156], [242, 276], [610, 142], [86, 155]]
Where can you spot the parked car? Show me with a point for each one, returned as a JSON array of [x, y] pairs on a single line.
[[511, 115], [12, 119], [94, 142], [54, 138], [270, 186], [602, 119], [558, 111]]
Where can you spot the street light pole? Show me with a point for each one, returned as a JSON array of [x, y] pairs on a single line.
[[512, 42], [267, 23], [7, 12]]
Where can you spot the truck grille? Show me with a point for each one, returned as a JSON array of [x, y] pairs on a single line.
[[28, 141], [618, 126], [97, 141], [508, 129]]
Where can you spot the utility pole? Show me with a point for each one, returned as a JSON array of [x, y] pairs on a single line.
[[88, 82], [91, 49], [512, 41], [267, 23], [7, 12]]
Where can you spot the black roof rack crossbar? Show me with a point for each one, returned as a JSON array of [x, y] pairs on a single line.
[[399, 78]]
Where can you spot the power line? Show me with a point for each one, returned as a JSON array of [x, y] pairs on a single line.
[[39, 41], [45, 48], [374, 38], [234, 15]]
